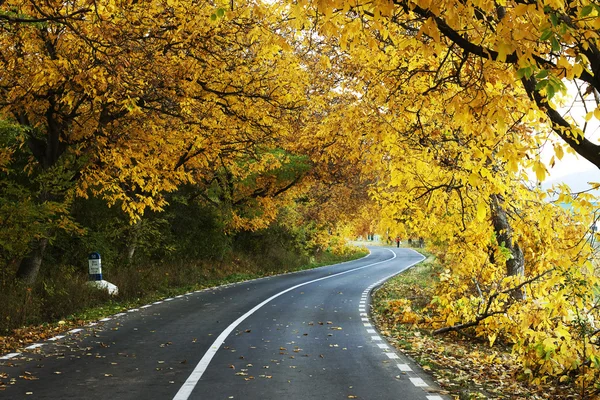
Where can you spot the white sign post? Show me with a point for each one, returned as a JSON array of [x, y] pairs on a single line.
[[95, 274]]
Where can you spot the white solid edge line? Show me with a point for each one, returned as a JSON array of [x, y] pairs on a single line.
[[9, 356], [186, 390]]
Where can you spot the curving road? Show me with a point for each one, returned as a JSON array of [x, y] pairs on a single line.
[[304, 335]]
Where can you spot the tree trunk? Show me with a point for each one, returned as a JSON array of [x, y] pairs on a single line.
[[30, 265], [133, 240], [515, 265]]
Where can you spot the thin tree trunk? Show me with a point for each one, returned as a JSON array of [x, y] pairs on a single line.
[[515, 265], [133, 240], [30, 265]]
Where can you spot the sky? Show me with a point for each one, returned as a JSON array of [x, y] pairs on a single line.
[[573, 170]]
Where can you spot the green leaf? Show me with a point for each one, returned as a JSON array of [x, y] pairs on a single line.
[[526, 72], [587, 10], [550, 91], [546, 34], [220, 12], [542, 74], [541, 84], [554, 19], [213, 17], [555, 44]]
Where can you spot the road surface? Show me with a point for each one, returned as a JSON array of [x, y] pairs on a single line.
[[305, 335]]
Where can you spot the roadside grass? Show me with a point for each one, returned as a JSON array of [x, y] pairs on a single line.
[[465, 368], [54, 305]]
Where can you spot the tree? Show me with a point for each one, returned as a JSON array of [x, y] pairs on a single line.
[[450, 133], [129, 107]]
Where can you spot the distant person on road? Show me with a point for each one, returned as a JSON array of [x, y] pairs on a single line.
[[397, 241]]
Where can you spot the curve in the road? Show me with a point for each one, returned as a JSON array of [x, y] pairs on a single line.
[[189, 385]]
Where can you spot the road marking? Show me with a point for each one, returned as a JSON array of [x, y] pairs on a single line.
[[375, 338], [9, 356], [371, 331], [146, 306], [367, 325], [186, 390], [418, 382], [392, 356], [383, 346], [435, 398], [133, 310], [364, 319], [52, 339], [404, 367], [34, 346], [75, 330], [363, 314], [169, 299], [119, 314], [105, 319]]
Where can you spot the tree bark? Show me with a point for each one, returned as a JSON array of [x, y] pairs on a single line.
[[30, 265], [133, 240], [515, 265]]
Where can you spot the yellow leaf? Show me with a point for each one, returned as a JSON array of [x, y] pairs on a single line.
[[558, 150], [481, 211]]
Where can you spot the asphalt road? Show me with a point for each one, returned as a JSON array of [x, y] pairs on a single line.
[[304, 335]]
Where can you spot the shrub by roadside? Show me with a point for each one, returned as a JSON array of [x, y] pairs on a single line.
[[465, 367]]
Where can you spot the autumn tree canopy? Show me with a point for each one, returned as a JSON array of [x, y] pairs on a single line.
[[408, 117]]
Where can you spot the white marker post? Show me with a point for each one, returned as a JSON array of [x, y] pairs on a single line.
[[95, 267], [95, 274]]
